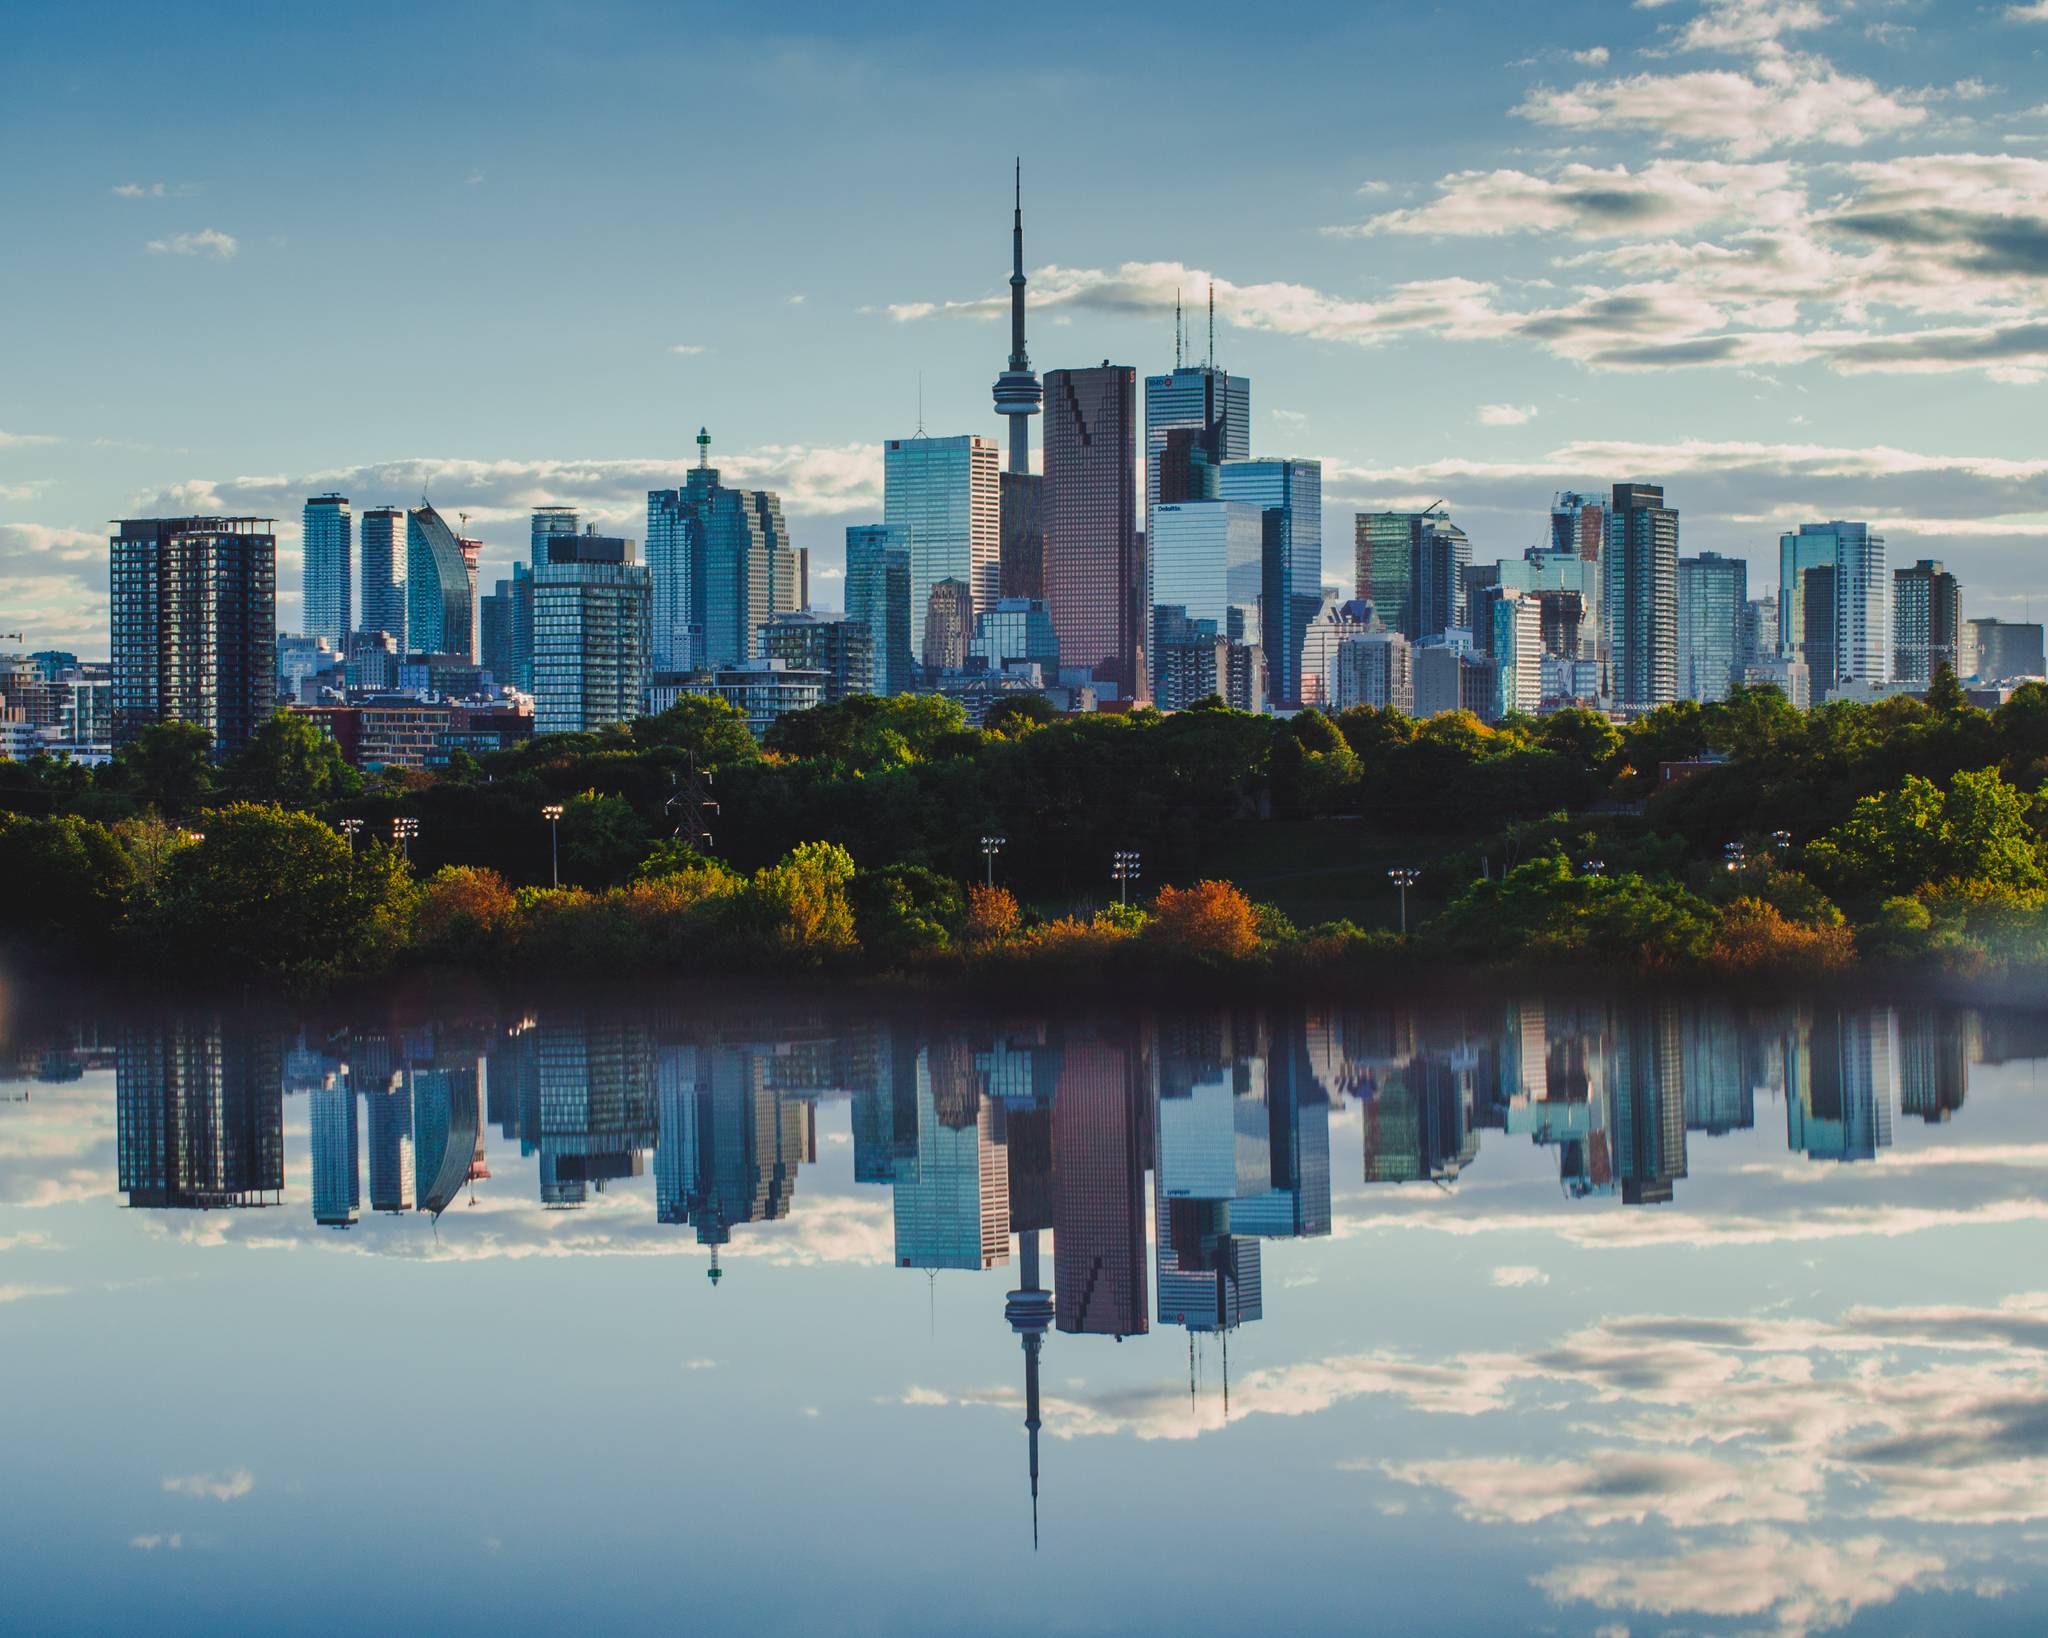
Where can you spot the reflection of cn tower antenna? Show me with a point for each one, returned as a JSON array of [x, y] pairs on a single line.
[[1029, 1311]]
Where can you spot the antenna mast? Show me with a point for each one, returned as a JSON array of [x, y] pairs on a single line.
[[1212, 324]]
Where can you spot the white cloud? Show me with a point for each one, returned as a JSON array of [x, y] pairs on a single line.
[[222, 1487], [1288, 417], [1591, 57], [1601, 202], [1506, 415], [20, 1293], [1510, 1275], [149, 1544], [687, 349], [154, 190], [2036, 11], [210, 242], [1745, 25], [23, 440]]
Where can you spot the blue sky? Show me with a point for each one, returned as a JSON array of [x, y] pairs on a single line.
[[1788, 256]]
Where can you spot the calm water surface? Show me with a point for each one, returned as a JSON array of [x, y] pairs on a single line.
[[1553, 1315]]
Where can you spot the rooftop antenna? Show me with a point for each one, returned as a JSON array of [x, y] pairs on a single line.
[[920, 404], [1212, 324], [1176, 329]]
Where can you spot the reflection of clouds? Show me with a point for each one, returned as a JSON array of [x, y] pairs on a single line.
[[1804, 1584], [17, 1293], [1616, 1486]]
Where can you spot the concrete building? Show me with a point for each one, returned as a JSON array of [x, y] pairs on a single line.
[[1927, 622], [593, 610], [838, 645]]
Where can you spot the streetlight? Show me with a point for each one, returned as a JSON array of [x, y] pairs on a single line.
[[1123, 866], [1736, 855], [1594, 867], [350, 828], [1781, 840], [552, 813], [1404, 877], [990, 847], [402, 832]]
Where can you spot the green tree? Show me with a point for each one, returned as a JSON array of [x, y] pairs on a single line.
[[1980, 832], [272, 894], [68, 880], [603, 839], [1945, 696], [800, 911], [1752, 722], [901, 910], [290, 762], [1587, 737], [702, 725], [1017, 714], [169, 765]]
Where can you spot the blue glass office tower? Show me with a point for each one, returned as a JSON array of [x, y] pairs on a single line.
[[383, 557], [327, 544], [1639, 597], [878, 595], [1290, 494], [1713, 591], [438, 608], [723, 567], [546, 523], [337, 1165], [946, 497], [952, 1197], [1855, 636]]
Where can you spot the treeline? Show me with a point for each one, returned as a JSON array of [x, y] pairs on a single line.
[[1898, 832]]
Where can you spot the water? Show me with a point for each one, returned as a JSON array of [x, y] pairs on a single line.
[[1567, 1315]]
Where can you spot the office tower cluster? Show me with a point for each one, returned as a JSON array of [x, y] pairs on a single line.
[[984, 578]]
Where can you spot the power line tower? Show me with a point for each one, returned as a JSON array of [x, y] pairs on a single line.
[[692, 805]]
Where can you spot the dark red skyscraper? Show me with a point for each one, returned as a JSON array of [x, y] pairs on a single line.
[[1094, 564], [1099, 1206]]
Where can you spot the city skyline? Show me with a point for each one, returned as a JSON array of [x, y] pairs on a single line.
[[1806, 317]]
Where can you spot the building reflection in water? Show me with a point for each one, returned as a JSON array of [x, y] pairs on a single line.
[[999, 1137]]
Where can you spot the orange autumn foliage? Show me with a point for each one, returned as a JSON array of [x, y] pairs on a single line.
[[991, 914], [1211, 921]]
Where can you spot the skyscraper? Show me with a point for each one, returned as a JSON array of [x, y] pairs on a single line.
[[1927, 621], [592, 615], [1713, 593], [194, 615], [1017, 393], [387, 1098], [2000, 649], [1095, 584], [948, 621], [199, 1116], [952, 1197], [1858, 625], [547, 522], [384, 573], [1098, 1137], [1212, 403], [1438, 555], [839, 646], [1289, 491], [1639, 597], [722, 565], [878, 595], [331, 1135], [328, 583], [944, 495], [1384, 557], [438, 606], [1578, 525]]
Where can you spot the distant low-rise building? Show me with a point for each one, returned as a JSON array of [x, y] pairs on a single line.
[[838, 645]]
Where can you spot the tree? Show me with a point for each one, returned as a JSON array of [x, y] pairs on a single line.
[[462, 909], [800, 910], [68, 880], [291, 762], [1015, 715], [1979, 832], [1211, 922], [1587, 737], [271, 894], [170, 766], [901, 910], [1945, 696], [991, 914], [704, 726], [602, 840]]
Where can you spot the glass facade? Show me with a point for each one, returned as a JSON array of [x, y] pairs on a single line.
[[592, 638], [1292, 579], [841, 647], [1208, 559], [1639, 597], [1713, 593], [723, 567], [878, 595], [1095, 580], [383, 555], [948, 620], [1857, 628], [1214, 403], [945, 495], [1927, 622], [439, 616], [1016, 629], [327, 549]]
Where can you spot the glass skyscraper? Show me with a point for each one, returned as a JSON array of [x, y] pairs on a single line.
[[327, 552], [722, 566], [878, 595], [592, 608], [1290, 491], [331, 1133], [547, 522], [952, 1196], [1853, 637], [1713, 592], [1927, 622], [194, 617], [439, 610], [945, 495], [1214, 403], [1095, 580], [1639, 597], [383, 558], [1208, 560]]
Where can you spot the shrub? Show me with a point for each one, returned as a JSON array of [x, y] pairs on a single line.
[[991, 915], [1755, 939], [1211, 922], [461, 909]]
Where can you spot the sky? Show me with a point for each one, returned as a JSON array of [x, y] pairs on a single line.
[[1788, 257]]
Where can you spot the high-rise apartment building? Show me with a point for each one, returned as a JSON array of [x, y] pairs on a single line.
[[1639, 597], [546, 523], [944, 494], [1439, 554], [383, 559], [1713, 593], [439, 582], [723, 567], [1095, 575], [1578, 525], [592, 634], [331, 1136], [1996, 650], [840, 646], [1289, 492], [1927, 622], [1759, 642], [878, 595], [194, 616], [327, 579]]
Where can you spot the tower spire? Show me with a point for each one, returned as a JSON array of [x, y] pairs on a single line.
[[1017, 392], [1176, 329], [1212, 324]]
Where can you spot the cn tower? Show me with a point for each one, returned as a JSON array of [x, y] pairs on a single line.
[[1017, 391]]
